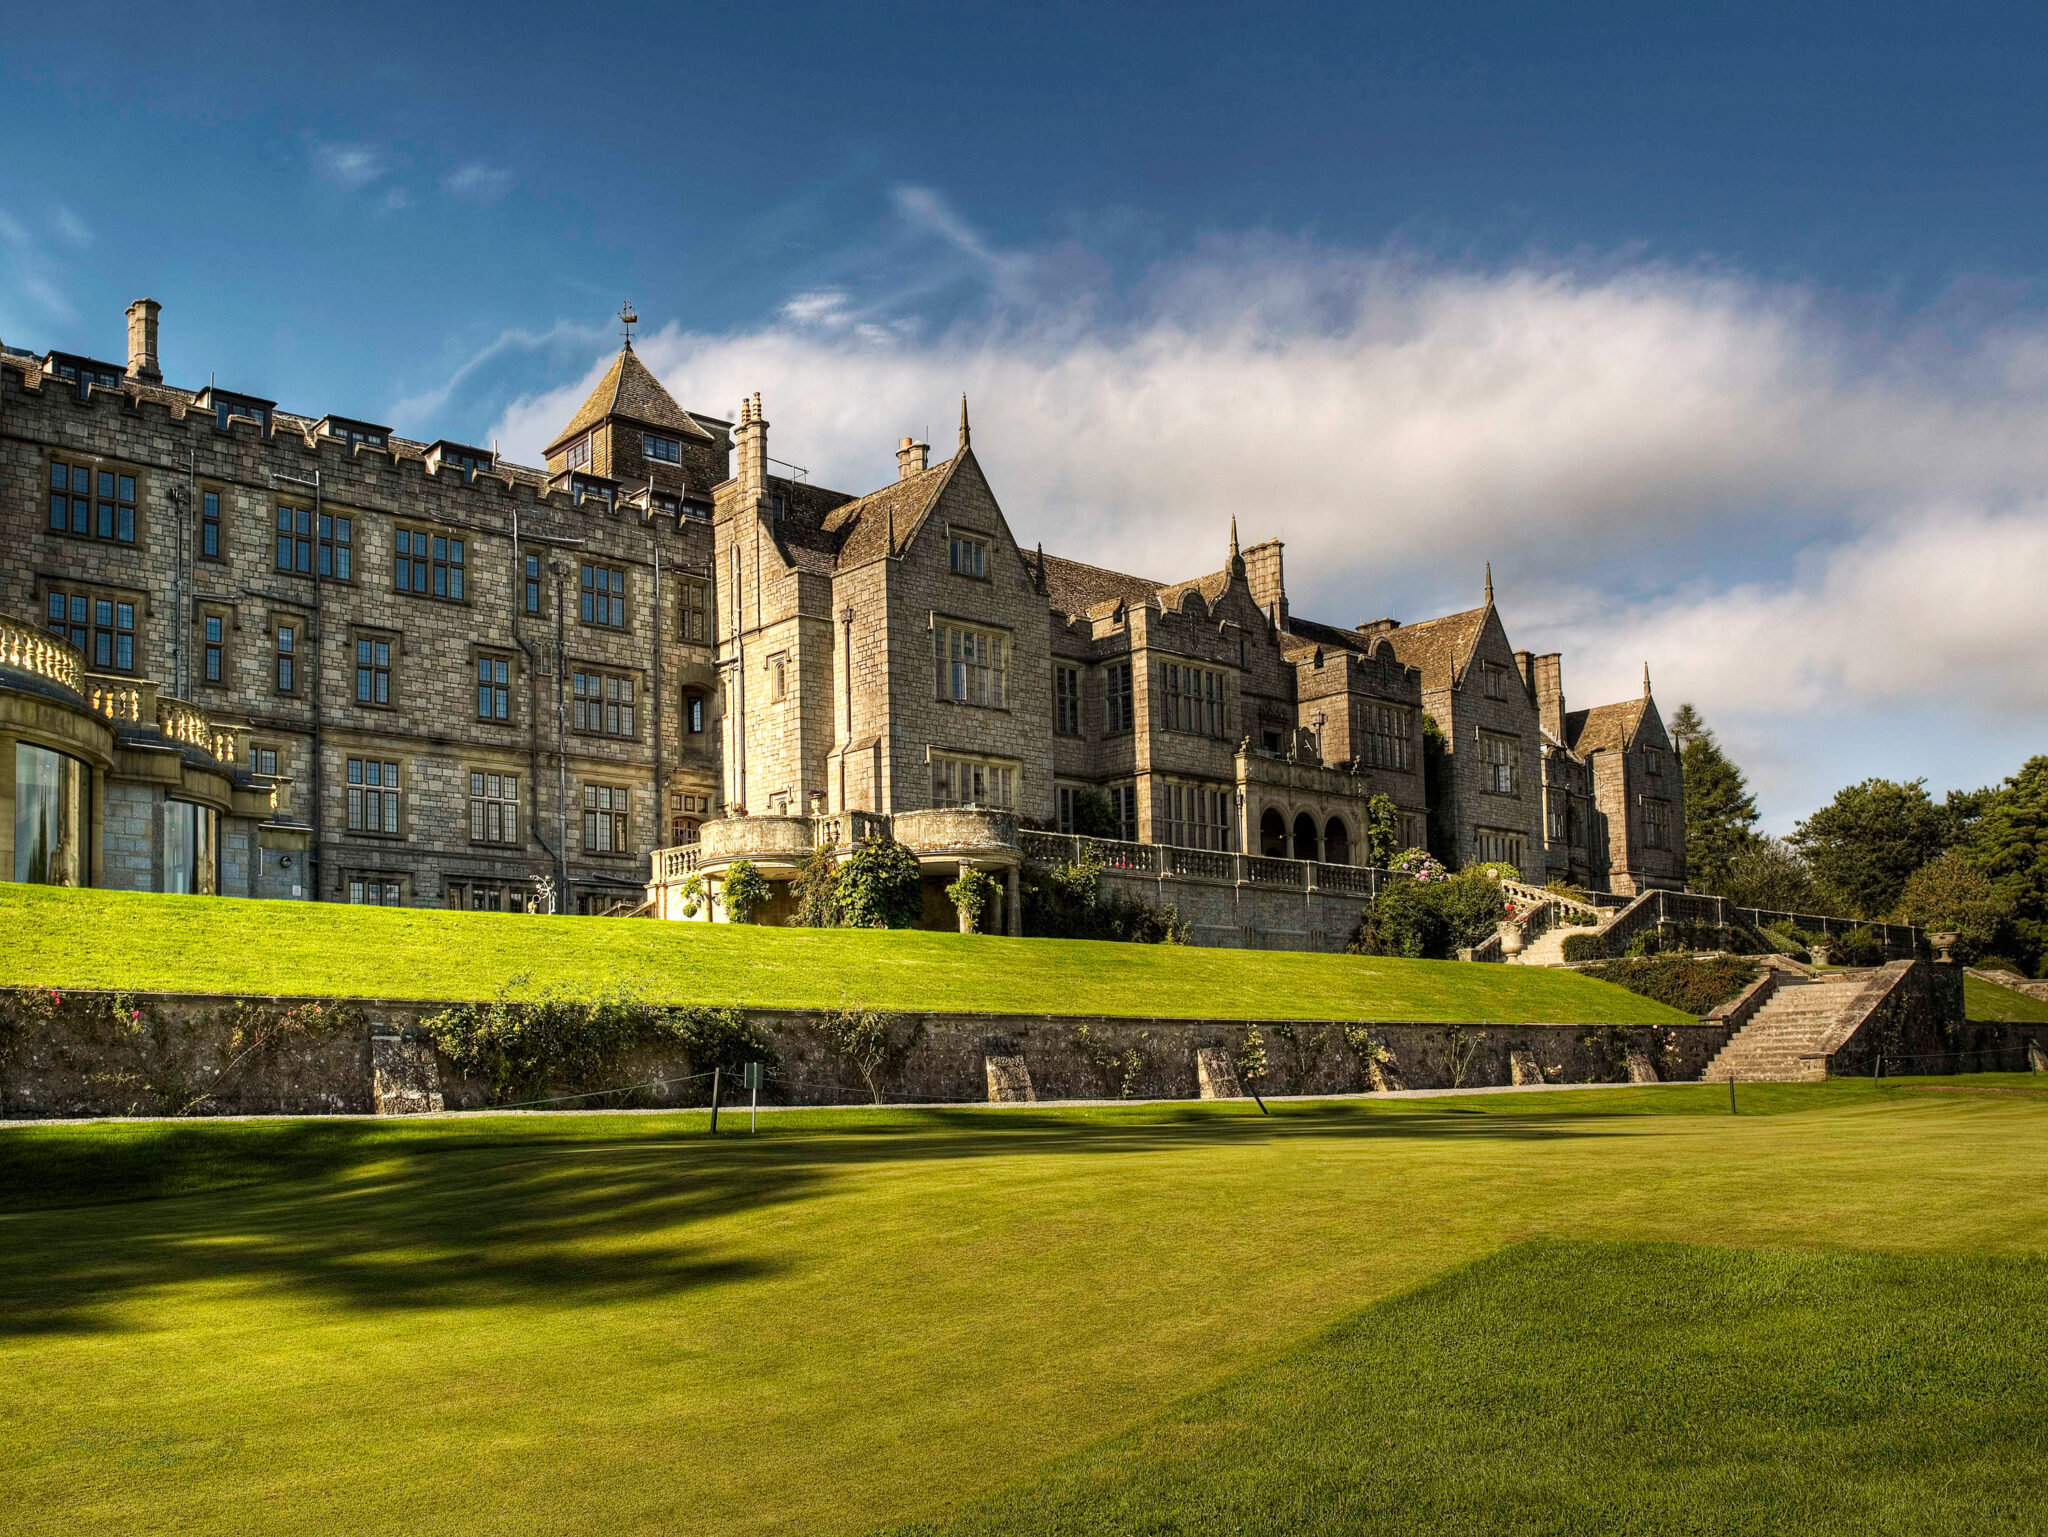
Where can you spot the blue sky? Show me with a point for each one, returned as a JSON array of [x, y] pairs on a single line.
[[1720, 332]]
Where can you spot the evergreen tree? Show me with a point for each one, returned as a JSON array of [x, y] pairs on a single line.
[[1720, 813], [2009, 843], [1769, 874], [1864, 843]]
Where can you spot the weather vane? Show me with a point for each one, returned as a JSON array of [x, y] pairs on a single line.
[[629, 320]]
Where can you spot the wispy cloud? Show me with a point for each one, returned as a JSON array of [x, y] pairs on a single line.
[[394, 199], [350, 166], [70, 227], [27, 269], [478, 183], [1813, 525]]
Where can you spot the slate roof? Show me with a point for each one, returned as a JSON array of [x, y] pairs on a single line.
[[1604, 728], [1441, 648], [1211, 587], [864, 525], [629, 390], [1076, 588]]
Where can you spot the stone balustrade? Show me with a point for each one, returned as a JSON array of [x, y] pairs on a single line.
[[40, 654], [124, 701]]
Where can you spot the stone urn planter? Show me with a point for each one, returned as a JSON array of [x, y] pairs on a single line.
[[1943, 943], [1819, 952], [1510, 937]]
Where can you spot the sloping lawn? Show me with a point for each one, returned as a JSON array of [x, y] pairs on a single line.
[[1989, 1002], [615, 1325], [1644, 1388], [101, 939]]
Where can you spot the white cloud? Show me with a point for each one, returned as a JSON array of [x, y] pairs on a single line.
[[351, 166], [1795, 519], [71, 228], [477, 183]]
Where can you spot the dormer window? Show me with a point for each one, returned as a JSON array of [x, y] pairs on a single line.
[[579, 452], [355, 434], [667, 450], [456, 458], [226, 408], [584, 488], [85, 372], [778, 506]]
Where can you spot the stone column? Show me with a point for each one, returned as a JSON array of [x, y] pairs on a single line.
[[1013, 899]]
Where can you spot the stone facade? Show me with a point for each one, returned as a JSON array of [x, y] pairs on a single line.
[[467, 680]]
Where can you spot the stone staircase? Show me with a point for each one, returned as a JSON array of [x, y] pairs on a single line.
[[1547, 948], [1787, 1039]]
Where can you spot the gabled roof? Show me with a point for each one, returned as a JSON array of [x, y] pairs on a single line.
[[629, 390], [1211, 587], [1441, 648], [1076, 588], [1604, 728], [873, 526]]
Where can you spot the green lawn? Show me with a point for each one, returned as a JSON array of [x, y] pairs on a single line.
[[1584, 1387], [56, 938], [862, 1319], [1989, 1002]]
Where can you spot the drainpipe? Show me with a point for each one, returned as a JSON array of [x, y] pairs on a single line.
[[660, 801], [532, 693], [315, 865], [558, 570]]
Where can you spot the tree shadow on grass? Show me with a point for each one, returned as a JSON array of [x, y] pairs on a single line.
[[369, 1215]]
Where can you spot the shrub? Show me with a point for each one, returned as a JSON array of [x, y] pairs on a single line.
[[1950, 893], [1430, 920], [1382, 830], [1584, 947], [1858, 947], [970, 896], [1680, 981], [880, 886], [1066, 901], [816, 889], [1495, 869], [523, 1046], [874, 1043], [1094, 817], [1120, 1070], [1999, 963], [745, 891], [1421, 865]]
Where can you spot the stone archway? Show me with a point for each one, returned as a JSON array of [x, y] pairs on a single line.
[[1336, 842], [1306, 840], [1273, 834]]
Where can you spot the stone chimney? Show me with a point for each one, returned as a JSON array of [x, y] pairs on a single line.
[[912, 458], [1268, 583], [1547, 675], [142, 341], [750, 444], [1525, 664], [1374, 627]]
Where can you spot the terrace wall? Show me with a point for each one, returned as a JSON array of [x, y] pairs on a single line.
[[99, 1054]]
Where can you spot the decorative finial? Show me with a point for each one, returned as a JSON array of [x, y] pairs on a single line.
[[629, 320], [1646, 680], [1233, 536], [1489, 584], [964, 433]]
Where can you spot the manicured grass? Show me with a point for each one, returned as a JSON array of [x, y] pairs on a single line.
[[100, 939], [1609, 1387], [616, 1325], [1991, 1003]]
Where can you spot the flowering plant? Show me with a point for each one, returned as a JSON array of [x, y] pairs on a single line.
[[1419, 864]]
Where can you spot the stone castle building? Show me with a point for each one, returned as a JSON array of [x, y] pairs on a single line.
[[263, 653]]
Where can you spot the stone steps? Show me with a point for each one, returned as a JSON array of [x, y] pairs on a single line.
[[1782, 1042]]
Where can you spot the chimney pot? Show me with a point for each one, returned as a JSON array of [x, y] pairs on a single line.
[[142, 341], [912, 458]]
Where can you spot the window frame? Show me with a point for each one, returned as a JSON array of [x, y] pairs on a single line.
[[967, 553], [1119, 698], [596, 696], [612, 594], [494, 687], [1066, 699], [379, 783], [284, 655], [108, 505], [382, 664], [1192, 700], [960, 670], [92, 615], [211, 525], [494, 803], [215, 624], [965, 775], [606, 819], [435, 566], [662, 450], [1507, 768]]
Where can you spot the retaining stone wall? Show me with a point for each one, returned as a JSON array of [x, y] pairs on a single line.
[[76, 1058]]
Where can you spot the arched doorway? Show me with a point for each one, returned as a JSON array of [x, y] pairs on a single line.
[[1273, 835], [1336, 842], [1305, 837]]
